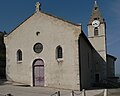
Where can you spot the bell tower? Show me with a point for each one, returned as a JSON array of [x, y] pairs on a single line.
[[97, 31]]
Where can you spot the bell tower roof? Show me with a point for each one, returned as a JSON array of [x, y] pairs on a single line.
[[96, 14]]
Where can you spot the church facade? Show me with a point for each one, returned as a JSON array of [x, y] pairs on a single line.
[[46, 50]]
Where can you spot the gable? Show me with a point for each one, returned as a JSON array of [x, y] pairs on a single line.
[[44, 21]]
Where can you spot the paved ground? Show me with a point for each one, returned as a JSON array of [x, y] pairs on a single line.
[[28, 91], [19, 90], [114, 92]]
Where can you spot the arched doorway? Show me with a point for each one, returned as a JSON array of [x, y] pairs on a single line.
[[38, 72]]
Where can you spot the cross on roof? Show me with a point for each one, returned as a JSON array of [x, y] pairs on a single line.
[[38, 6], [95, 2]]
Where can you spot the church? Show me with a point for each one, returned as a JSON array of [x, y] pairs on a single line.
[[45, 50]]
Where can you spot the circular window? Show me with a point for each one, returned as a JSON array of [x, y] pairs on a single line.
[[38, 47]]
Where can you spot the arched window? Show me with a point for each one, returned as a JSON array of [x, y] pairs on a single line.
[[96, 31], [19, 55], [59, 52]]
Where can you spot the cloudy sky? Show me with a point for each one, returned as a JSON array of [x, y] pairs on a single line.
[[13, 12]]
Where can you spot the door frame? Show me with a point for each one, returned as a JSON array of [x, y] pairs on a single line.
[[33, 70]]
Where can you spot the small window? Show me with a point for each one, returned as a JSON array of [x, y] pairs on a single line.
[[19, 55], [95, 18], [96, 8], [59, 53], [88, 60], [97, 77], [96, 31], [37, 33]]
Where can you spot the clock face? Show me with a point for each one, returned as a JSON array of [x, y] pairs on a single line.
[[38, 47], [95, 23]]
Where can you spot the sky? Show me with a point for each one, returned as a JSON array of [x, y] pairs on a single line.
[[13, 12]]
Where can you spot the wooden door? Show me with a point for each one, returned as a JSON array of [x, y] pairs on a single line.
[[38, 73]]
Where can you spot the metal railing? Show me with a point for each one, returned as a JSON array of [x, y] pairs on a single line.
[[105, 92]]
